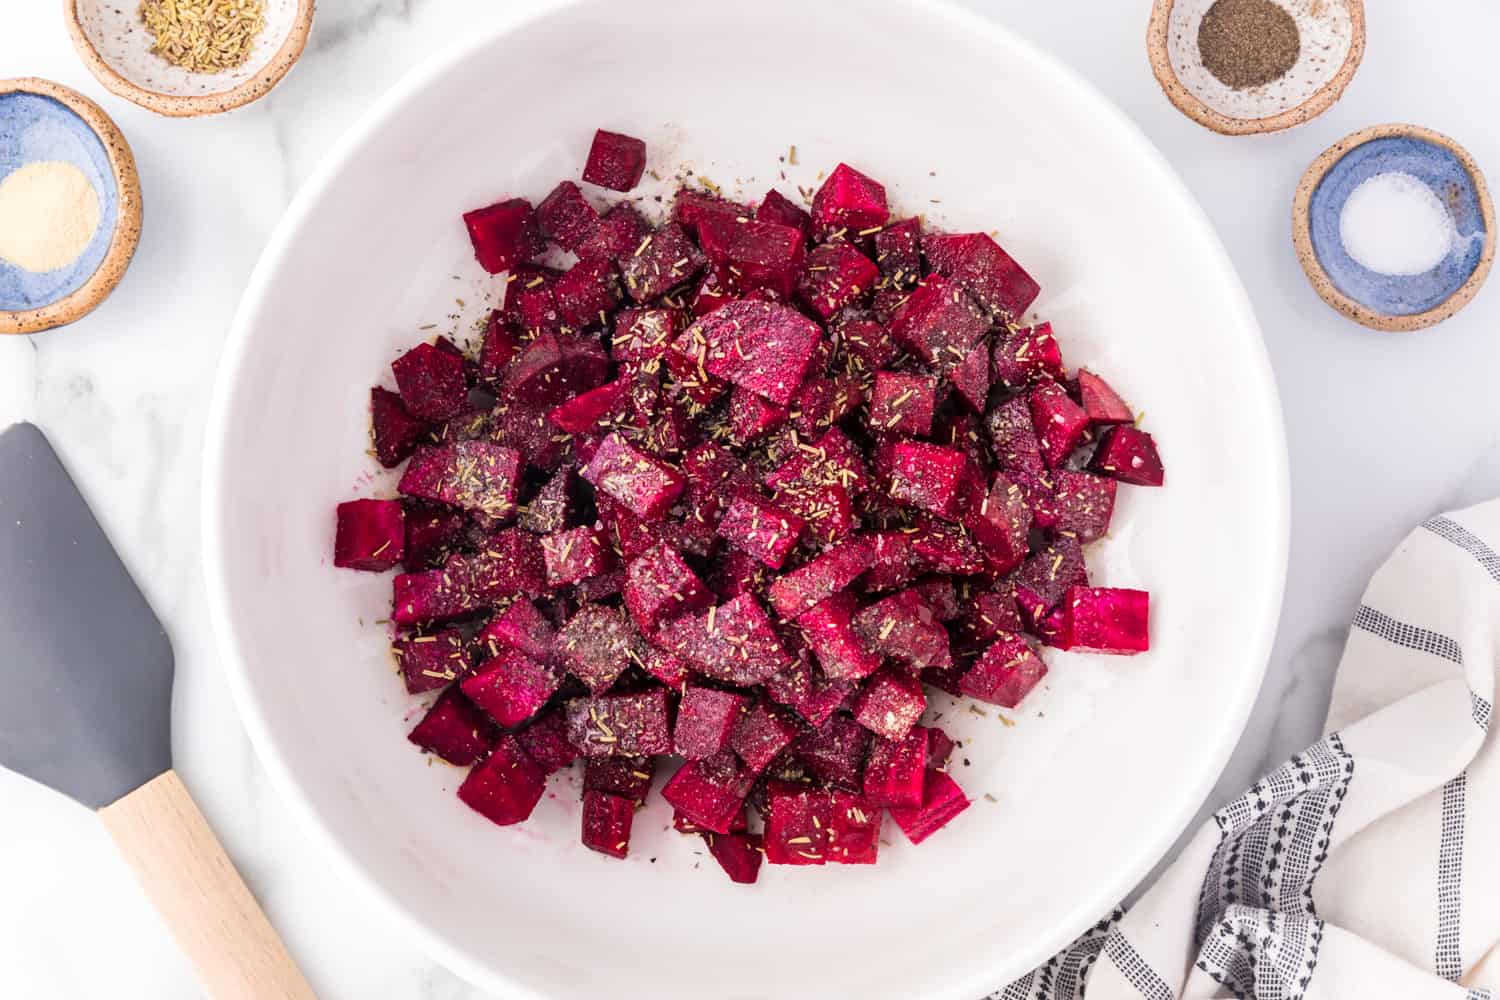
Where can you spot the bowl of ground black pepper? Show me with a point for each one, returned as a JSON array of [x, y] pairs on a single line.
[[1242, 67], [190, 57]]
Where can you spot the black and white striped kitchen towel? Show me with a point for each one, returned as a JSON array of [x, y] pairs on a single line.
[[1367, 866]]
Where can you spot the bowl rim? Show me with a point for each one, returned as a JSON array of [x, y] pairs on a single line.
[[1006, 964], [193, 105], [86, 297], [1189, 104], [1321, 281]]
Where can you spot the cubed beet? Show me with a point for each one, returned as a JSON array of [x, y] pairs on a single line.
[[889, 703], [760, 528], [942, 800], [506, 787], [616, 161], [454, 729], [1129, 454], [512, 687], [849, 203], [393, 429], [597, 644], [1107, 619], [705, 719], [638, 724], [1004, 674], [576, 554], [369, 535], [504, 234]]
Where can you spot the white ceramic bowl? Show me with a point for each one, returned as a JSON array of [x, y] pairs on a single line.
[[1101, 769]]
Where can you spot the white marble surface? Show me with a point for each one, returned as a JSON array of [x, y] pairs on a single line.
[[1383, 430]]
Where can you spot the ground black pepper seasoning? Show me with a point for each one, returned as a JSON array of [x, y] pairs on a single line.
[[1247, 43]]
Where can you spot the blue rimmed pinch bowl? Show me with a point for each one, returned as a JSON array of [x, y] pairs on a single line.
[[1397, 302], [41, 121]]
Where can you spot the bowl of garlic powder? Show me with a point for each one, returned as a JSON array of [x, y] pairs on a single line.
[[70, 205], [190, 57]]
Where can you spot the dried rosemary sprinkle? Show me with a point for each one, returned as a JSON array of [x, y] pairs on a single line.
[[204, 36]]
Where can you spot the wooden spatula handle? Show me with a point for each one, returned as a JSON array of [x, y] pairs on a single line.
[[195, 888]]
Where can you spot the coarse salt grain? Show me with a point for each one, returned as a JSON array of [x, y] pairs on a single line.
[[1394, 224]]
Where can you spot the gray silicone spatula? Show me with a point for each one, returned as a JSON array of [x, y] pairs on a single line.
[[85, 708]]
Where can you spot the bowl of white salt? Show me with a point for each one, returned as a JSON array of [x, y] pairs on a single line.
[[1395, 227], [70, 205]]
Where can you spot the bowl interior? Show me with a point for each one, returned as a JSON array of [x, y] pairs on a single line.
[[118, 35], [1098, 772], [1326, 32]]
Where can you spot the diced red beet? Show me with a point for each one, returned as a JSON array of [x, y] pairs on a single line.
[[394, 431], [939, 594], [939, 322], [1081, 503], [598, 644], [501, 344], [762, 346], [599, 588], [835, 752], [661, 261], [692, 379], [939, 746], [758, 254], [761, 733], [553, 368], [522, 627], [669, 668], [815, 581], [987, 272], [739, 854], [627, 777], [902, 403], [889, 703], [932, 478], [733, 642], [506, 787], [606, 823], [1026, 355], [752, 416], [566, 217], [468, 583], [504, 234], [630, 725], [546, 742], [432, 383], [619, 232], [896, 769], [1129, 454], [868, 344], [797, 823], [737, 572], [991, 614], [754, 525], [822, 402], [690, 208], [705, 719], [849, 202], [1002, 525], [429, 662], [831, 635], [809, 691], [475, 475], [644, 334], [1013, 437], [644, 485], [369, 535], [576, 554], [827, 509], [454, 729], [904, 628], [832, 458], [853, 830], [776, 207], [1050, 571], [553, 507], [898, 252], [1106, 619], [894, 563], [835, 275], [942, 800], [512, 687], [709, 792], [970, 378], [717, 286], [1004, 673], [587, 293], [1100, 401], [530, 303], [659, 585], [1059, 421], [616, 161], [525, 427]]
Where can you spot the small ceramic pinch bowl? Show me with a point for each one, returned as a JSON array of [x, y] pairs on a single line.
[[1394, 301], [1332, 42], [115, 45], [43, 123]]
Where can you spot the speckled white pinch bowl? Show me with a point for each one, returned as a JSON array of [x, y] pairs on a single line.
[[1105, 763], [115, 45]]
